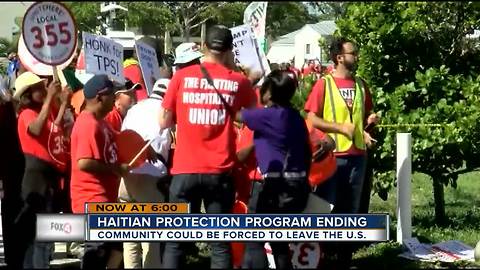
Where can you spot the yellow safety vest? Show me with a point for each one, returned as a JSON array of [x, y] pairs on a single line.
[[335, 110]]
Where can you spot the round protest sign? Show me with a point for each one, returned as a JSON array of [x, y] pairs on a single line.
[[50, 32], [129, 144], [33, 65]]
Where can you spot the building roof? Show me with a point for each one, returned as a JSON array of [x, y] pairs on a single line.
[[287, 39], [324, 28]]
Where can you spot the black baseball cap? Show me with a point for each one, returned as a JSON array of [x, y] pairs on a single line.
[[219, 38], [98, 84], [129, 86]]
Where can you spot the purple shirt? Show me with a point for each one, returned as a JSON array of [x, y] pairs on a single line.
[[278, 130]]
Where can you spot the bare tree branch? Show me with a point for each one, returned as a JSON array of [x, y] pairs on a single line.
[[198, 24]]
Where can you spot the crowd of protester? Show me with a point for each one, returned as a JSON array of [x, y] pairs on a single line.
[[246, 144]]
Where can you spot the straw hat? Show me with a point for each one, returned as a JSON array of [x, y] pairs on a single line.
[[25, 81]]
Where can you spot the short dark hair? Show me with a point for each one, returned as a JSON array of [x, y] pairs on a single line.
[[282, 87], [336, 48], [219, 38], [128, 54]]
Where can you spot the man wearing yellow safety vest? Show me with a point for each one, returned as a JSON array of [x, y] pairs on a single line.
[[340, 104]]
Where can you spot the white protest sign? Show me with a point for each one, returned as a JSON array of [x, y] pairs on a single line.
[[147, 58], [246, 51], [103, 56], [50, 32], [255, 15], [244, 48]]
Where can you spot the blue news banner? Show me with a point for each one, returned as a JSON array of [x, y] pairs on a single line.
[[238, 228]]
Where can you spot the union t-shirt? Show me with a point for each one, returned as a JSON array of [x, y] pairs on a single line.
[[346, 86], [92, 139], [205, 131], [50, 145]]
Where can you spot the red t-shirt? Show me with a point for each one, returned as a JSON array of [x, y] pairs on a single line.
[[307, 70], [92, 139], [316, 100], [245, 139], [50, 145], [205, 130], [134, 73], [296, 71], [114, 119]]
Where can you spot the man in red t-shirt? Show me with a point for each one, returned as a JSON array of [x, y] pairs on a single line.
[[342, 92], [95, 171], [205, 150], [124, 100]]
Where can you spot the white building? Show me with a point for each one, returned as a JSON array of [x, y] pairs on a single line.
[[302, 44], [9, 11]]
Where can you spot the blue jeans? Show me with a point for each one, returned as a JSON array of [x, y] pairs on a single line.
[[344, 188], [275, 196], [218, 195], [38, 255]]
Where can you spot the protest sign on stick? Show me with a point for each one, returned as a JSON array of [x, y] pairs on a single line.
[[246, 50], [50, 33], [147, 58], [103, 56], [255, 15]]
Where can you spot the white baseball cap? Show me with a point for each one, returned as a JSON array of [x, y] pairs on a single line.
[[187, 52], [160, 86]]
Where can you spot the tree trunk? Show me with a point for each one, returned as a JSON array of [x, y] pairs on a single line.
[[439, 199], [203, 34], [187, 34]]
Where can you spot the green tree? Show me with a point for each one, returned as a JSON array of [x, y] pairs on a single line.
[[7, 46], [286, 17], [86, 15], [153, 18], [329, 10], [422, 68], [189, 16]]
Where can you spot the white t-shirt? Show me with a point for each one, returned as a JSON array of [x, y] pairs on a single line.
[[143, 119]]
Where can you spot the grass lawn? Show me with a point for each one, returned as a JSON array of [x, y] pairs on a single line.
[[462, 208]]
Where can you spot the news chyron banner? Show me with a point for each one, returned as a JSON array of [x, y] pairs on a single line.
[[172, 222]]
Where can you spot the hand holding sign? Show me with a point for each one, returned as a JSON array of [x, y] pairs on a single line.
[[53, 88]]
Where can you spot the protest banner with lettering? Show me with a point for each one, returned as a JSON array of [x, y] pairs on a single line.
[[255, 15], [103, 56], [246, 50], [147, 58]]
